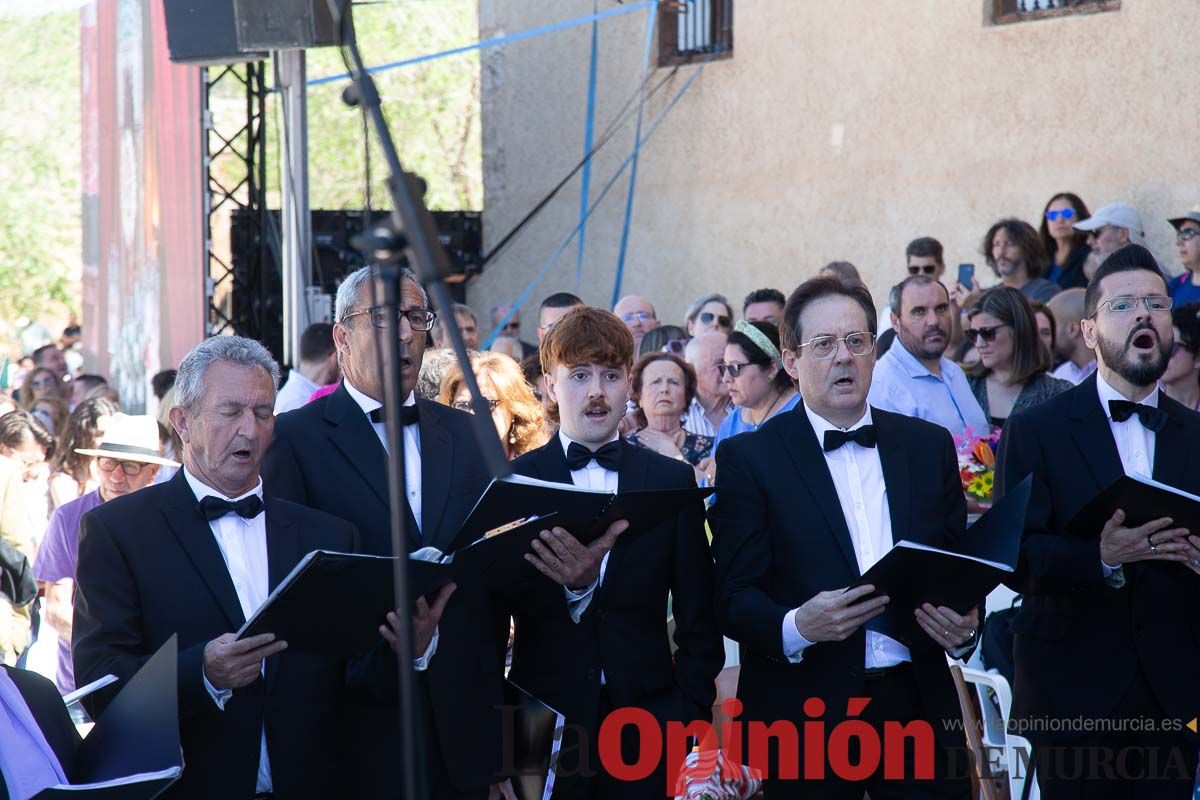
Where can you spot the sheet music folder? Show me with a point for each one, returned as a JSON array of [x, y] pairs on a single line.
[[1143, 500], [133, 752], [912, 573], [536, 730]]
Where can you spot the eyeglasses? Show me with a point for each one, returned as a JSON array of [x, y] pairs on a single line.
[[465, 405], [637, 316], [1096, 233], [986, 334], [130, 468], [722, 321], [825, 347], [924, 269], [419, 319], [1187, 234], [1123, 305], [733, 369], [1065, 214], [674, 347]]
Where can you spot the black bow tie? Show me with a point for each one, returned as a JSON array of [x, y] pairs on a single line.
[[863, 436], [215, 507], [408, 415], [1152, 419], [608, 456]]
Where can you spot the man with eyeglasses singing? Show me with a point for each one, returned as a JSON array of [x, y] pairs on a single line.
[[127, 459], [332, 455], [806, 504], [1118, 606], [1185, 288]]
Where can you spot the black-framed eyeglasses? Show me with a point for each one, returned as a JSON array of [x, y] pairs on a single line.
[[1187, 234], [465, 405], [924, 269], [419, 319], [707, 317], [130, 468], [986, 334], [859, 343], [733, 369], [1125, 304], [1096, 233]]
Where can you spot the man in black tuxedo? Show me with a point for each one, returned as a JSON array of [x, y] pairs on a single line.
[[331, 455], [805, 505], [1107, 629], [25, 763], [196, 557], [594, 637]]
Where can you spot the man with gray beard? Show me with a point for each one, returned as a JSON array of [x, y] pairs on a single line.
[[914, 377], [1106, 638]]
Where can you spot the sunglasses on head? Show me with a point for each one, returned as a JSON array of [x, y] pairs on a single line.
[[707, 317], [924, 269], [1055, 216], [986, 334]]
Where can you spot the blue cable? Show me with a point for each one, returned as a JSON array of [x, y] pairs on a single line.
[[588, 136], [496, 41]]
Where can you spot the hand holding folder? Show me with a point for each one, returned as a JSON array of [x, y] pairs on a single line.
[[1139, 519]]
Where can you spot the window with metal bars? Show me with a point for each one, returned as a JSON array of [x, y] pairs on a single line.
[[694, 30], [1006, 11]]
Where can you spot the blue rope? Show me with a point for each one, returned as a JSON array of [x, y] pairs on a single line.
[[588, 137], [651, 17], [537, 279], [496, 41]]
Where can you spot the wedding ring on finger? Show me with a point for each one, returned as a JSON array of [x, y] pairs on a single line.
[[1153, 546]]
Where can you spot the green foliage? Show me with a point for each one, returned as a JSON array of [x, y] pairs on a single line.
[[432, 109], [40, 222]]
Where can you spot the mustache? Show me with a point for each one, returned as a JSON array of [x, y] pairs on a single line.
[[598, 406], [933, 332]]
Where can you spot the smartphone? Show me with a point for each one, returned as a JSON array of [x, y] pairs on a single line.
[[966, 275]]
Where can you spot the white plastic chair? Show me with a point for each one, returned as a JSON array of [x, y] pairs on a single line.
[[996, 708]]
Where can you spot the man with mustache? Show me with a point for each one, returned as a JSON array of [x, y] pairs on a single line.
[[594, 637], [914, 377], [332, 455], [1107, 633], [1015, 253]]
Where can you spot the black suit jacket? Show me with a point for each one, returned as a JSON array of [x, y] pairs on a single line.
[[780, 537], [149, 567], [46, 705], [326, 455], [1071, 618], [623, 631]]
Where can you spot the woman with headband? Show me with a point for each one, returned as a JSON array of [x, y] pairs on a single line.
[[758, 386]]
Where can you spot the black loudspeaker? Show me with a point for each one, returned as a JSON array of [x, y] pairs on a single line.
[[233, 31]]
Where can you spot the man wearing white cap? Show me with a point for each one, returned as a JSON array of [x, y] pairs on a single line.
[[1112, 227], [1185, 288], [127, 459]]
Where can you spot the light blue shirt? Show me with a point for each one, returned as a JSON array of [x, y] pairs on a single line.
[[906, 386]]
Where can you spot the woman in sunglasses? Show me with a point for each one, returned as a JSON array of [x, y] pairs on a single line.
[[710, 313], [517, 413], [758, 386], [662, 386], [1012, 373], [1181, 381], [1066, 247]]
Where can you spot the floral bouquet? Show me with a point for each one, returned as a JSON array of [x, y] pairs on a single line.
[[977, 464]]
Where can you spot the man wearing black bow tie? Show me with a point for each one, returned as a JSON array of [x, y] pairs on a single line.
[[806, 504], [197, 556], [1108, 629], [594, 637], [332, 455]]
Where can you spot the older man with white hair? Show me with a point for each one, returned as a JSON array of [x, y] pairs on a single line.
[[1112, 227]]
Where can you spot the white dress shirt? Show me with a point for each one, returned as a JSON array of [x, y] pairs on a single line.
[[412, 446], [857, 476], [591, 476], [1070, 371], [294, 393], [243, 545]]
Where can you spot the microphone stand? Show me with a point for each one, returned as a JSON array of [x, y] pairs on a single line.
[[410, 230]]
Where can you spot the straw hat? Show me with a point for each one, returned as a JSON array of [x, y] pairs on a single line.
[[130, 438]]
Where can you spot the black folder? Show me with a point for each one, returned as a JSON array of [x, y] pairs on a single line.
[[534, 735], [1143, 500], [514, 501], [333, 603], [133, 752], [911, 573]]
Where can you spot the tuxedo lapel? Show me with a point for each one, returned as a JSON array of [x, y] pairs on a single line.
[[549, 462], [284, 551], [437, 461], [1093, 435], [353, 435], [1172, 448], [897, 474], [812, 472], [182, 512]]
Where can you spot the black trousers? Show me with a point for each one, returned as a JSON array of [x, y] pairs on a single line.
[[894, 698], [1137, 758]]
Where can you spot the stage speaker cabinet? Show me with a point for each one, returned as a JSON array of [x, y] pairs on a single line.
[[285, 24], [235, 31]]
